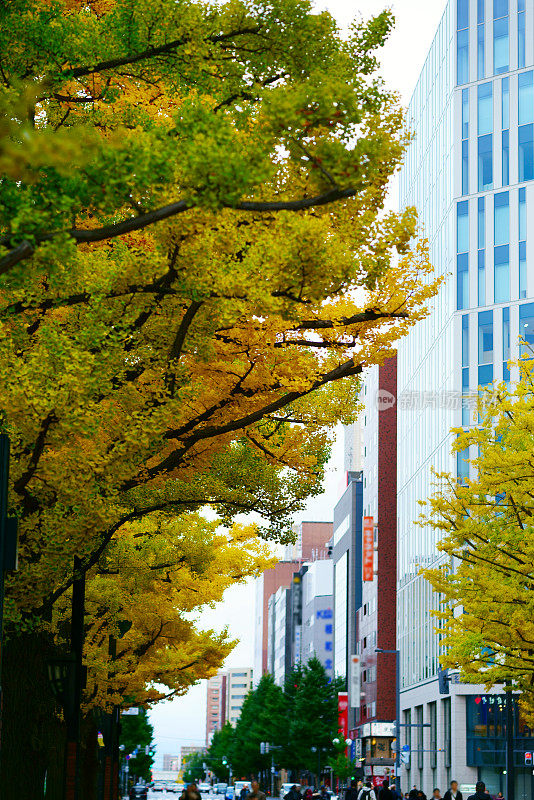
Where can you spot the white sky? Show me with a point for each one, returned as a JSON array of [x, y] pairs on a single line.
[[182, 721]]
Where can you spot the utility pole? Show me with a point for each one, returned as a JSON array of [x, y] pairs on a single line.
[[72, 766], [510, 766]]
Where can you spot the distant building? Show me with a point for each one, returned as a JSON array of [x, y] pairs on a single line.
[[376, 675], [317, 614], [279, 625], [187, 751], [216, 705], [353, 447], [347, 558], [311, 544], [171, 763], [226, 692], [238, 685], [300, 619]]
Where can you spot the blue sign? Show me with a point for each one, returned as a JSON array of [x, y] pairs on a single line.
[[353, 750], [405, 748]]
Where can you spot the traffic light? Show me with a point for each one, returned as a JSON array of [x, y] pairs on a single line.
[[262, 748], [528, 759], [225, 761]]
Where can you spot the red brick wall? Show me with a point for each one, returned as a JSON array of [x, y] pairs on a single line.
[[387, 542]]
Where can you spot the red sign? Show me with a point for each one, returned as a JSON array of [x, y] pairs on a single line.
[[368, 548], [343, 714]]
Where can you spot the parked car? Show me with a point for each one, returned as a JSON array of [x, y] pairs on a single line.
[[220, 788], [138, 792], [229, 793]]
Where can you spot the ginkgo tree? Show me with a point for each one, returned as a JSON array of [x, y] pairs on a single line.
[[484, 524], [196, 267]]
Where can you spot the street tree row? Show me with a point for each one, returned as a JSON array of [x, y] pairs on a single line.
[[195, 267]]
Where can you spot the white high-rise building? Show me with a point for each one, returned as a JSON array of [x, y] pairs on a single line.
[[470, 172]]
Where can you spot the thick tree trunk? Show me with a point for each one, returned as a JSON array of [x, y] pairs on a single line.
[[33, 736], [32, 755]]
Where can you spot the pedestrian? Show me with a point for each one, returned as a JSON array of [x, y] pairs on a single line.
[[243, 794], [421, 795], [367, 792], [454, 793], [385, 792], [480, 792], [436, 795], [352, 792], [255, 792], [190, 793], [396, 794], [308, 793], [293, 793], [413, 794], [500, 796]]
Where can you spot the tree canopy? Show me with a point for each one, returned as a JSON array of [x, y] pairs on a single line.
[[293, 719], [486, 535], [196, 267], [137, 735]]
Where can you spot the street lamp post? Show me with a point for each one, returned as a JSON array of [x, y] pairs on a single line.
[[396, 653]]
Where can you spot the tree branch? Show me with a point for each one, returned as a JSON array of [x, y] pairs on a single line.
[[150, 52], [91, 235]]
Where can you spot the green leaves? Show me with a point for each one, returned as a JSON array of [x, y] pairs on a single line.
[[293, 719]]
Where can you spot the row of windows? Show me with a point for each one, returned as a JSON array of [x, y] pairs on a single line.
[[501, 250], [486, 356], [501, 38], [486, 132]]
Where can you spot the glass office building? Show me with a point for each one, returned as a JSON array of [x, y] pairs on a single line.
[[470, 172]]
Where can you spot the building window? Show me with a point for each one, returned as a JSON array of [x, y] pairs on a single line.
[[462, 227], [481, 277], [433, 737], [485, 109], [462, 43], [485, 348], [520, 33], [485, 337], [462, 470], [341, 615], [465, 340], [465, 370], [526, 152], [465, 141], [462, 244], [501, 49], [447, 732], [502, 219], [525, 98], [505, 344], [485, 162], [522, 243], [481, 35], [462, 281], [526, 328]]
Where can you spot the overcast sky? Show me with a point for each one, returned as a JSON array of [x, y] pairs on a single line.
[[182, 721]]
